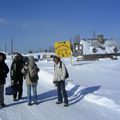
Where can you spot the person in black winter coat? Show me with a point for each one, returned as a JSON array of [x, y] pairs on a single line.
[[17, 76], [3, 74]]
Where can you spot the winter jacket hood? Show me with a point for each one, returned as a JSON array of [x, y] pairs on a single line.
[[31, 60]]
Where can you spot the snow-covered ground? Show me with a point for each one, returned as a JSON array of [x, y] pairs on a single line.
[[93, 89]]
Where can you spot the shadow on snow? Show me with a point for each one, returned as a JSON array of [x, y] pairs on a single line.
[[75, 95], [79, 95]]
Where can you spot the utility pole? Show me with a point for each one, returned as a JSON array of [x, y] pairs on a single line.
[[94, 35], [12, 46], [5, 48]]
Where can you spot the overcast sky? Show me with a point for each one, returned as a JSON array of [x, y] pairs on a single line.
[[34, 24]]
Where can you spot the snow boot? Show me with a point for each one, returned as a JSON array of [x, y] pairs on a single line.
[[58, 102], [2, 104], [65, 104]]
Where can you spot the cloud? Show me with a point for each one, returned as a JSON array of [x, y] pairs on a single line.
[[3, 21]]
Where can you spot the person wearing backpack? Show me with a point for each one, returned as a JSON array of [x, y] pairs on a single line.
[[17, 76], [3, 74], [60, 74], [31, 72]]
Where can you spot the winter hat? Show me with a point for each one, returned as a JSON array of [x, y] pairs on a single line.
[[31, 58], [56, 57], [4, 56]]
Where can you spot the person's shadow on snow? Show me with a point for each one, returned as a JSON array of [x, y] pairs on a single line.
[[23, 100], [78, 95], [75, 94], [47, 96], [43, 97]]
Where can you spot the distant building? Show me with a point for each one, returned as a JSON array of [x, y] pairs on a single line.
[[98, 47]]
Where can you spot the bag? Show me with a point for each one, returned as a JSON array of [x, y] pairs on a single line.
[[33, 73], [10, 90], [67, 74]]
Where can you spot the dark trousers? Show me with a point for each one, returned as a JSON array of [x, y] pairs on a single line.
[[19, 86], [61, 91], [1, 94]]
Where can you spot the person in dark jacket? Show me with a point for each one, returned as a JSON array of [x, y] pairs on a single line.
[[59, 80], [17, 76], [3, 74]]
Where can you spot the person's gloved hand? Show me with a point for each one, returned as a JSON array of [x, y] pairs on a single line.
[[55, 83]]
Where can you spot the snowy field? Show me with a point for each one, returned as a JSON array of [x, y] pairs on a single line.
[[93, 89]]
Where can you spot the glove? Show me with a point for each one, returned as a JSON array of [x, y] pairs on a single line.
[[54, 82]]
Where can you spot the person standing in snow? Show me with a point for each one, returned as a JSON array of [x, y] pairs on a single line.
[[17, 76], [3, 74], [59, 80], [29, 69]]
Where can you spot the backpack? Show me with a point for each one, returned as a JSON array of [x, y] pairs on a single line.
[[67, 74], [33, 73]]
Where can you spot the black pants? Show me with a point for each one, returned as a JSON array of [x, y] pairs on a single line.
[[61, 91], [19, 86]]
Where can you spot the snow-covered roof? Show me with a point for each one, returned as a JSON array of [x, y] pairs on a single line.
[[107, 47]]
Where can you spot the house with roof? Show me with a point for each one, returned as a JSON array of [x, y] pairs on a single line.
[[98, 48]]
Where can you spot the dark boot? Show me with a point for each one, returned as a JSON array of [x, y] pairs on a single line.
[[2, 104], [66, 104], [58, 102]]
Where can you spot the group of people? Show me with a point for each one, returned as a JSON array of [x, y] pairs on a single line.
[[23, 69], [20, 69]]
